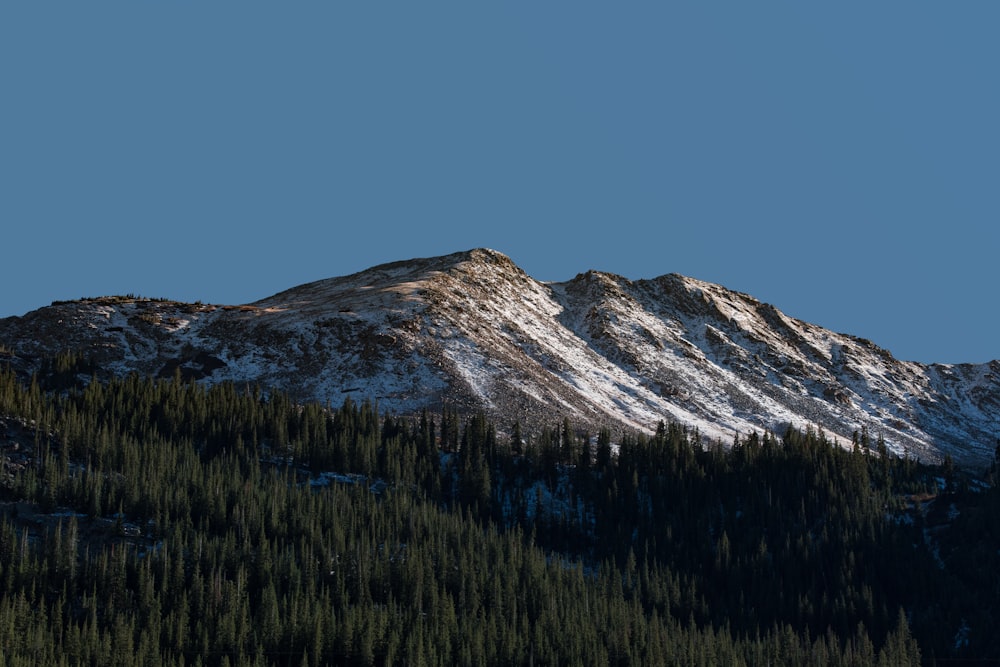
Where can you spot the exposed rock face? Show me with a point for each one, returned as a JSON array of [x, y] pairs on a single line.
[[473, 330]]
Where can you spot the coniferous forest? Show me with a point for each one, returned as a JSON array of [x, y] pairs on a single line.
[[162, 522]]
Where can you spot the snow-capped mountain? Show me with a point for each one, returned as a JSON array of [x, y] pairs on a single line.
[[474, 331]]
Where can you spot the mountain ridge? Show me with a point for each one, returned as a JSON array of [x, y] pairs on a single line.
[[473, 330]]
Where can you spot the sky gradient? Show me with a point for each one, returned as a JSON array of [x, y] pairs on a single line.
[[840, 161]]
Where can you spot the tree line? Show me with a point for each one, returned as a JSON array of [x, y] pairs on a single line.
[[166, 522]]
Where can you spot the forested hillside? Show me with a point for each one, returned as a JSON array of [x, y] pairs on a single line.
[[163, 522]]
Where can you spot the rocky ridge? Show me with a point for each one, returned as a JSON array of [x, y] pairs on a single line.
[[474, 331]]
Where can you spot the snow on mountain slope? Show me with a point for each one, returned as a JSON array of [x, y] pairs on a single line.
[[473, 330]]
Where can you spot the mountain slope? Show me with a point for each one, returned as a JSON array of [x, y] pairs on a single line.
[[473, 330]]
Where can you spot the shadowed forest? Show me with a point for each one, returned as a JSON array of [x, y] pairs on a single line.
[[162, 522]]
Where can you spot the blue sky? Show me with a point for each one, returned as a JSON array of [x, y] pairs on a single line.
[[838, 160]]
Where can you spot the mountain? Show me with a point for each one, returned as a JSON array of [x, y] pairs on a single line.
[[474, 331]]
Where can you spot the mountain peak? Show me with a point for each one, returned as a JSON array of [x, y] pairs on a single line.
[[472, 330], [487, 255]]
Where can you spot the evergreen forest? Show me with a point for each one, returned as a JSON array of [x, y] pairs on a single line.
[[164, 522]]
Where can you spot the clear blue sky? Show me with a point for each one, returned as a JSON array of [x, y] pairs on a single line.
[[839, 160]]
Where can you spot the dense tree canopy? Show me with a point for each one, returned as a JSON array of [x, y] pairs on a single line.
[[165, 522]]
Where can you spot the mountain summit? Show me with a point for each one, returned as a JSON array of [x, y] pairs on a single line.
[[474, 331]]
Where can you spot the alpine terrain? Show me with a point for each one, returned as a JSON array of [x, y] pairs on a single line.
[[473, 331]]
